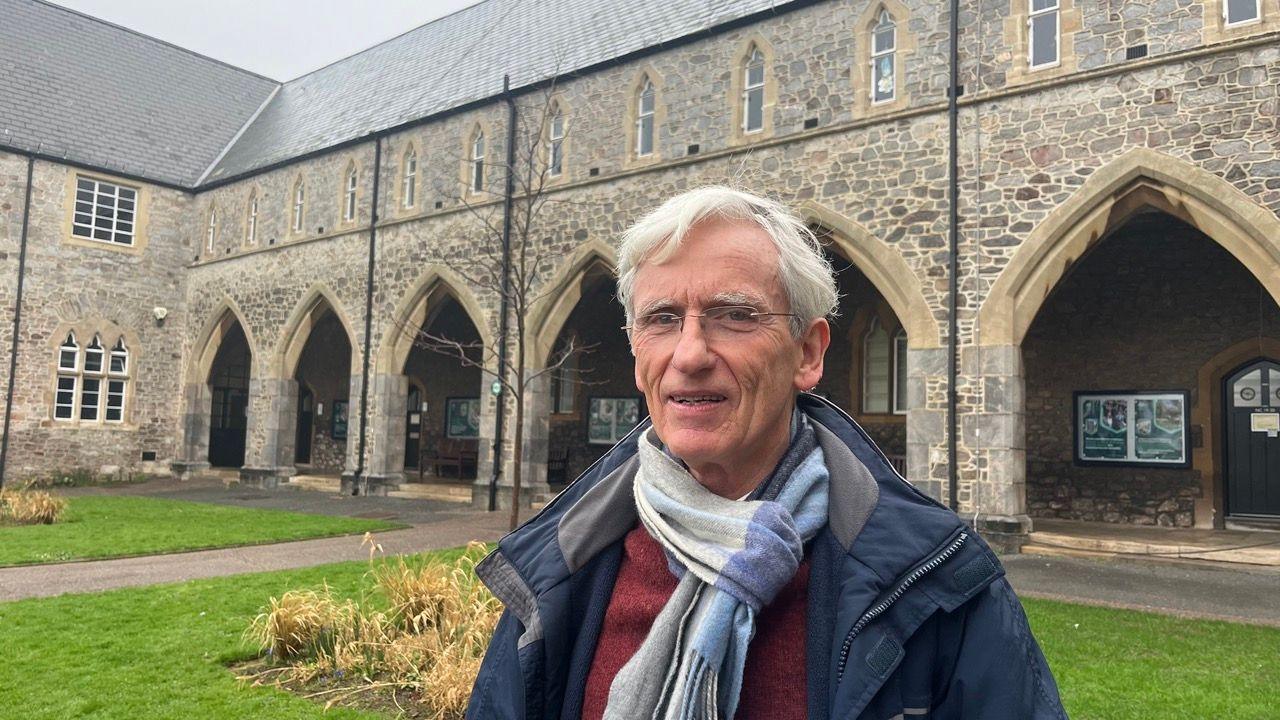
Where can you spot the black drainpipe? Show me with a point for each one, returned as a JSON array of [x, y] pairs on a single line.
[[508, 192], [360, 481], [953, 232], [17, 319]]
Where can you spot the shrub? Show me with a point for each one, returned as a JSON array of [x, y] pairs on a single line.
[[423, 628], [30, 507]]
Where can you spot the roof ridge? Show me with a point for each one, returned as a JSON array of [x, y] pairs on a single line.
[[155, 39], [380, 43]]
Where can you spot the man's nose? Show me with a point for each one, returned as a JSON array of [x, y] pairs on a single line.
[[692, 354]]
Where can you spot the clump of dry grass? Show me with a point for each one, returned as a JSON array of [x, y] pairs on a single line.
[[422, 627], [25, 506]]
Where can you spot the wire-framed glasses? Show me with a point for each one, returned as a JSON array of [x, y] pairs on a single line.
[[720, 322]]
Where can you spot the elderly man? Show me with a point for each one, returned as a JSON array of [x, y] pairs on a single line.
[[747, 552]]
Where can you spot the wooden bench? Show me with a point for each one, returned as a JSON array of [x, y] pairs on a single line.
[[455, 453]]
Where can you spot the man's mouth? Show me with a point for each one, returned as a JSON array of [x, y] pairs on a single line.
[[699, 399]]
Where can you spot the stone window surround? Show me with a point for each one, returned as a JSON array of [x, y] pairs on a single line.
[[350, 193], [1216, 29], [297, 208], [904, 47], [467, 177], [737, 78], [406, 197], [142, 201], [631, 119], [108, 334], [554, 104], [251, 225], [1017, 38], [211, 228]]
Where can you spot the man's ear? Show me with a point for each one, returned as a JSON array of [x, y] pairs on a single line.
[[813, 346]]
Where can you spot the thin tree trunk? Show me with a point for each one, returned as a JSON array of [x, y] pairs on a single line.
[[517, 461]]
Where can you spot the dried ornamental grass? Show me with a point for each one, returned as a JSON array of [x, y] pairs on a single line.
[[30, 507], [429, 640]]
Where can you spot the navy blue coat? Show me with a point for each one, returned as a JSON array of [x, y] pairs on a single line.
[[909, 615]]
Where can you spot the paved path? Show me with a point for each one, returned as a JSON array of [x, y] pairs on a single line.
[[1188, 590], [47, 580]]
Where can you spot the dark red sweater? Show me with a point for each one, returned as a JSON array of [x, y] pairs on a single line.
[[773, 686]]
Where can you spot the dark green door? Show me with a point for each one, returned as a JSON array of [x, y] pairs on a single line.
[[306, 411], [1253, 440]]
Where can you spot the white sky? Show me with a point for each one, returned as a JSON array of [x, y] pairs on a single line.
[[281, 39]]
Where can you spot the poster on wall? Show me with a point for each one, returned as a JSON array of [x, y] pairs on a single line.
[[462, 418], [1131, 428], [610, 419], [338, 423]]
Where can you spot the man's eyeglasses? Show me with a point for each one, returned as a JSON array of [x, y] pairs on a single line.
[[722, 322]]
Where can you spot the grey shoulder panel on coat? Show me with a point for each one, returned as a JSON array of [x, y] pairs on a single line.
[[854, 491]]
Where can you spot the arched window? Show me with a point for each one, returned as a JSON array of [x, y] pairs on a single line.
[[117, 381], [555, 139], [1043, 28], [645, 102], [753, 92], [477, 162], [299, 205], [212, 230], [251, 222], [884, 45], [64, 403], [91, 385], [409, 179], [876, 360], [349, 195]]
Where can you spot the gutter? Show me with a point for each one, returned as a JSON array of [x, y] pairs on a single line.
[[953, 255], [17, 319], [507, 197], [360, 482]]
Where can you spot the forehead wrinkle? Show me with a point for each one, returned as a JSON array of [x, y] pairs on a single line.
[[655, 305]]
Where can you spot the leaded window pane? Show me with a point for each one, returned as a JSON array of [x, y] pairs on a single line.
[[755, 109], [645, 145], [884, 78], [875, 370]]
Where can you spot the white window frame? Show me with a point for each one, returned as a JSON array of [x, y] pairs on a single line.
[[646, 116], [91, 400], [116, 224], [120, 351], [1226, 14], [299, 206], [409, 181], [477, 162], [251, 229], [67, 373], [886, 383], [212, 232], [898, 391], [755, 60], [883, 19], [555, 139], [1032, 14], [349, 196]]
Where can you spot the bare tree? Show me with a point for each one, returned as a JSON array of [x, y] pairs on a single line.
[[506, 222]]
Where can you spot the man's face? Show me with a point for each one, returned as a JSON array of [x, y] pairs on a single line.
[[722, 404]]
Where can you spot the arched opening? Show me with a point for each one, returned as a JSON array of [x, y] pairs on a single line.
[[228, 383], [442, 397], [592, 392], [323, 374], [1118, 416]]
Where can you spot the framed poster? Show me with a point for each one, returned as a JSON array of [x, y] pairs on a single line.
[[1132, 428], [609, 419], [338, 421], [462, 417]]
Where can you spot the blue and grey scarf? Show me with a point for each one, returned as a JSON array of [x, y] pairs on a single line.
[[732, 558]]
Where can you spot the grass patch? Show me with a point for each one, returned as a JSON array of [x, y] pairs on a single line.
[[1122, 665], [105, 527], [162, 652]]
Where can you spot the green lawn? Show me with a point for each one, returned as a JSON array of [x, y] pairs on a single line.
[[102, 527], [159, 652]]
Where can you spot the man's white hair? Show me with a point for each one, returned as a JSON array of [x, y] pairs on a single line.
[[803, 268]]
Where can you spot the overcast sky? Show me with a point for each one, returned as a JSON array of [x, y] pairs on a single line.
[[281, 39]]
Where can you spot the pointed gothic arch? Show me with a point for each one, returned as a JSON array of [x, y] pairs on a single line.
[[884, 267], [306, 314], [1138, 179], [560, 296], [412, 312], [222, 320]]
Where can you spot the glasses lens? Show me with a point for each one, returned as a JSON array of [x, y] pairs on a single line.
[[658, 323], [733, 319]]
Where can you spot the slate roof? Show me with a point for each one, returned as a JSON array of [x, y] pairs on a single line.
[[77, 87], [97, 93], [459, 59]]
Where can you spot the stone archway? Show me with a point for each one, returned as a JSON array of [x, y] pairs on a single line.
[[225, 324]]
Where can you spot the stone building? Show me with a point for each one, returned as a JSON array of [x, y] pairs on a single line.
[[205, 281]]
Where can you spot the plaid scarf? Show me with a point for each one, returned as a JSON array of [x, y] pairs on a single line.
[[732, 558]]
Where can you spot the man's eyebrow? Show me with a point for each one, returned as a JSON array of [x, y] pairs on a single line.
[[737, 298], [655, 305]]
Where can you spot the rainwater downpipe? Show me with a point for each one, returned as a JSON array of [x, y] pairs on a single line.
[[360, 483], [17, 319], [503, 299], [953, 256]]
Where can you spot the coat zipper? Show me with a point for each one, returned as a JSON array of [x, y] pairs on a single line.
[[912, 578]]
